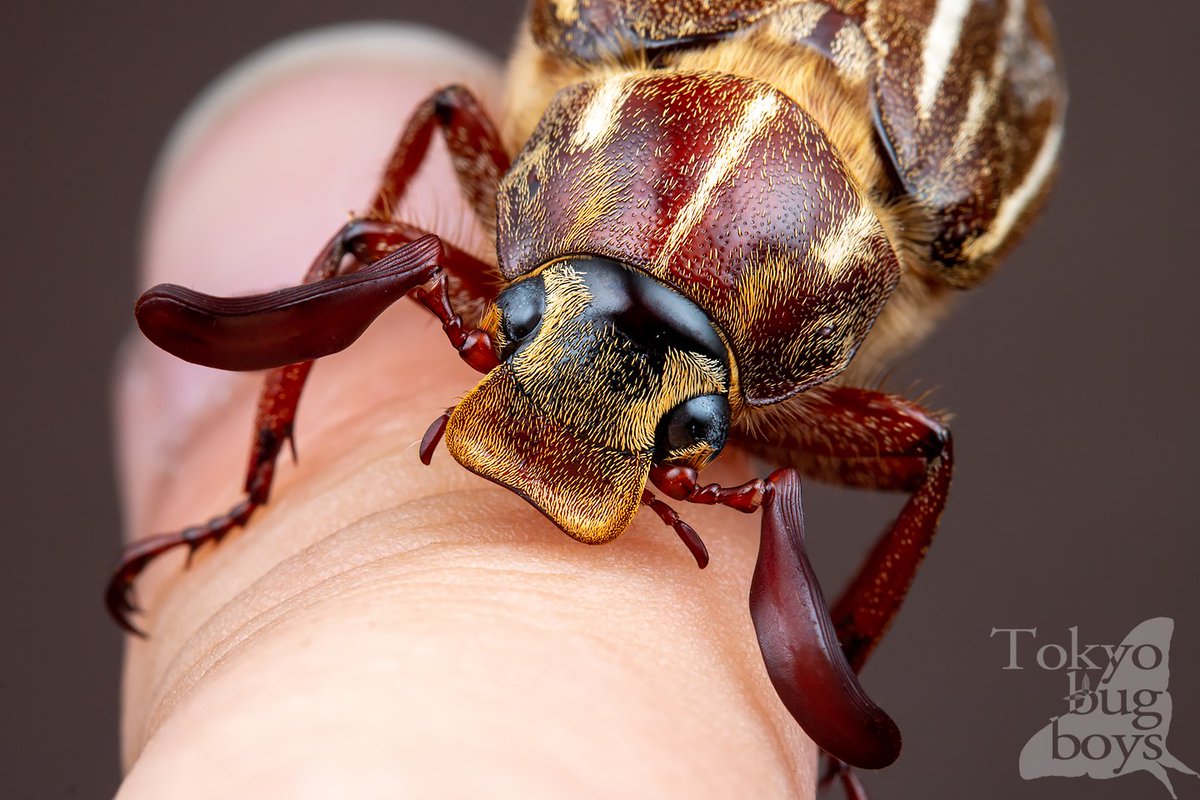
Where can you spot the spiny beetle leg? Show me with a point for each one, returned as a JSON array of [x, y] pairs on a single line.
[[804, 658], [687, 534], [869, 604], [479, 160], [478, 157], [118, 597], [800, 648], [278, 402], [868, 439]]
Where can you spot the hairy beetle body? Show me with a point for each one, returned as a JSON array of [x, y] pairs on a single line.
[[722, 188], [956, 171], [716, 221]]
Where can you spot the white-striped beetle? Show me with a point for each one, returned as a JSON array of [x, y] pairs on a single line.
[[715, 222]]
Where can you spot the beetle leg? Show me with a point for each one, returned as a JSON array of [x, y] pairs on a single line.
[[799, 642], [868, 439], [275, 418], [804, 659], [843, 774], [478, 157], [479, 162], [687, 534]]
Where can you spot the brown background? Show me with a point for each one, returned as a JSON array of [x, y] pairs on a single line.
[[1072, 376]]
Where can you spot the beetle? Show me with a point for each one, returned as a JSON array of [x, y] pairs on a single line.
[[715, 224]]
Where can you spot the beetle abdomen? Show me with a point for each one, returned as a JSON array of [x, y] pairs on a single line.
[[725, 189]]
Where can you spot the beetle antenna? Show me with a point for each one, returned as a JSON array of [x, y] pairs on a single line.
[[685, 532]]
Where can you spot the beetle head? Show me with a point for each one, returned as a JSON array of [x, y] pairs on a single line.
[[604, 371]]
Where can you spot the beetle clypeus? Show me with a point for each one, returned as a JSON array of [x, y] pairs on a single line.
[[712, 207]]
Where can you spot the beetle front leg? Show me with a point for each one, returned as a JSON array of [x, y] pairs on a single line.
[[232, 344], [861, 438], [176, 319]]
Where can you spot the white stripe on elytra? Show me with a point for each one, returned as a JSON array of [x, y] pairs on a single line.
[[759, 111], [941, 40], [1012, 205], [839, 246], [598, 121], [1013, 19], [984, 93]]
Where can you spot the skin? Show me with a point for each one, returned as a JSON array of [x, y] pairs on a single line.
[[383, 628]]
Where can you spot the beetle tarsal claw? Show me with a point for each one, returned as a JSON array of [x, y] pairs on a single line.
[[119, 600], [799, 644]]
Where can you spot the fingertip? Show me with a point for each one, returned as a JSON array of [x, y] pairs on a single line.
[[258, 173]]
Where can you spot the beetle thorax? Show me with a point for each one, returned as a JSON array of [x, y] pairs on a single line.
[[722, 188]]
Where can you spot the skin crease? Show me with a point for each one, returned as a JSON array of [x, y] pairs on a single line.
[[383, 628]]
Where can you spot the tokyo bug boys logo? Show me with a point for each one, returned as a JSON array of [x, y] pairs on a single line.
[[1117, 711]]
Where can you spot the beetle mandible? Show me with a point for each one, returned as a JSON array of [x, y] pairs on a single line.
[[702, 213]]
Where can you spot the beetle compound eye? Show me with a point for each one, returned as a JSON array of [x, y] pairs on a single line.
[[521, 308], [696, 427]]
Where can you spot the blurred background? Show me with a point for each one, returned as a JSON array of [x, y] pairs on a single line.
[[1072, 378]]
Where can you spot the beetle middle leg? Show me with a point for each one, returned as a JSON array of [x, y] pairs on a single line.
[[478, 157]]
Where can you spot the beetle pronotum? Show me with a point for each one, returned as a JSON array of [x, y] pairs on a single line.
[[702, 213]]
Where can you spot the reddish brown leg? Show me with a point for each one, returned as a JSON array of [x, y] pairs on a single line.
[[479, 162], [475, 150], [866, 439], [274, 423], [843, 774], [686, 533], [869, 439]]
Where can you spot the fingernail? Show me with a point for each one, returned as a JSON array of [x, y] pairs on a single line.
[[256, 176]]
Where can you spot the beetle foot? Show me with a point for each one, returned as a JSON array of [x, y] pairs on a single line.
[[119, 594]]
